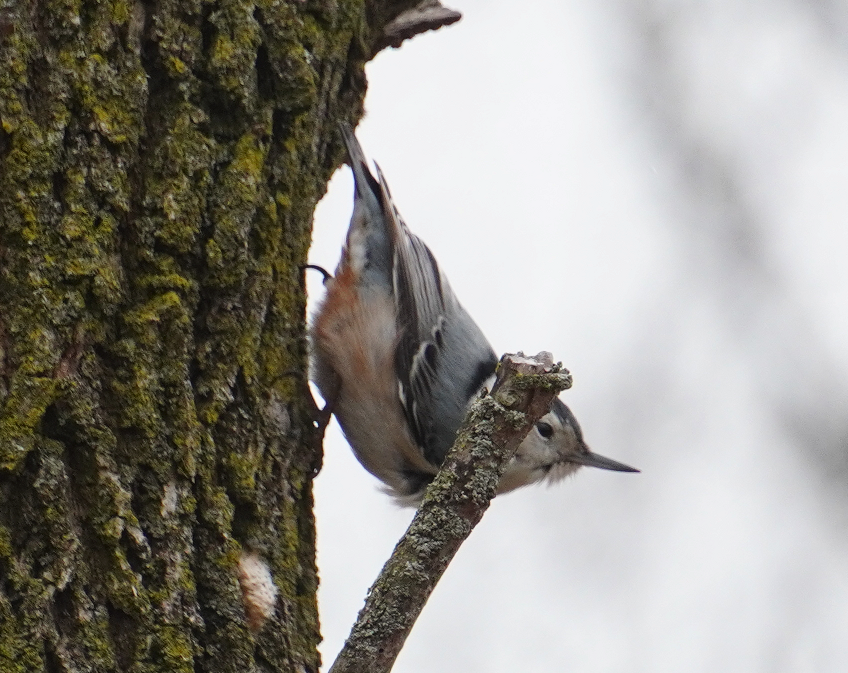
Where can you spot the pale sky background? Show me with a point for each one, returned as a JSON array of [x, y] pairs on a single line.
[[656, 192]]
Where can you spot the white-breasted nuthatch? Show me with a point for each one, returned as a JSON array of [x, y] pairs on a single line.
[[398, 359]]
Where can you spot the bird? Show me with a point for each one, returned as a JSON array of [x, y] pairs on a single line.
[[398, 360]]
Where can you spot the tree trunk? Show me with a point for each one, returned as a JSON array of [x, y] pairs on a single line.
[[159, 165]]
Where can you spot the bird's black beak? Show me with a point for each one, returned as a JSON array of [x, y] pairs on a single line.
[[594, 460]]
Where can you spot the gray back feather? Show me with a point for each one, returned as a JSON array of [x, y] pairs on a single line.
[[442, 357]]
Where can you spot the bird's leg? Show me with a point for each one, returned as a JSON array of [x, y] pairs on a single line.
[[319, 417], [327, 275]]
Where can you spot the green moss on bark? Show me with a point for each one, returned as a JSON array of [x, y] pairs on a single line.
[[159, 165]]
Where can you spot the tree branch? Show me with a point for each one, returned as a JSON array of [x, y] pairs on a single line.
[[426, 15], [453, 504]]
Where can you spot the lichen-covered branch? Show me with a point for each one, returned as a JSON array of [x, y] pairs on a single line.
[[426, 15], [453, 504]]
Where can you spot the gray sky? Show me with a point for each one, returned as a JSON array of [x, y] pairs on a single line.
[[656, 192]]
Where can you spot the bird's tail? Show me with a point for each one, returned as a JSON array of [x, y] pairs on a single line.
[[359, 164]]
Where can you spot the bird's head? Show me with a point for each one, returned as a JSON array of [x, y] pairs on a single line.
[[553, 450]]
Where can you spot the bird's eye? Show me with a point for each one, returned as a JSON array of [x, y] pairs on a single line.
[[545, 429]]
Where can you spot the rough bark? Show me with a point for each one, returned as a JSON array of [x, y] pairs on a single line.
[[159, 165]]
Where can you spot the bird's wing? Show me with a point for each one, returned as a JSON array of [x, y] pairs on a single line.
[[437, 370], [417, 284]]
